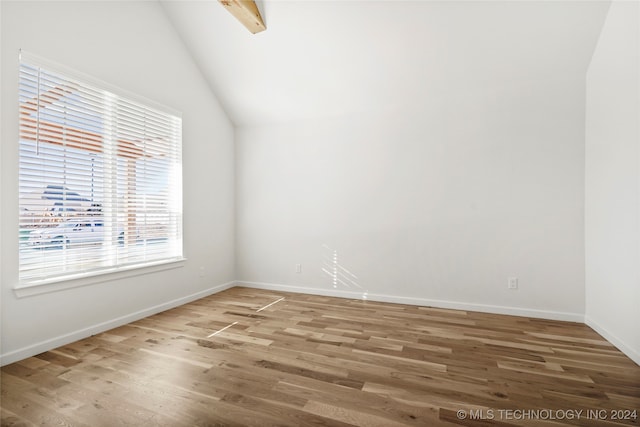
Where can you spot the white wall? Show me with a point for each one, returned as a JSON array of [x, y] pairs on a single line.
[[437, 203], [133, 46], [612, 224]]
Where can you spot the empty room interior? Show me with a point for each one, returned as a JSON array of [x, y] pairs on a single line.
[[305, 213]]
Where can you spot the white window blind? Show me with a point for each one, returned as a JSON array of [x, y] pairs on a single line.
[[100, 178]]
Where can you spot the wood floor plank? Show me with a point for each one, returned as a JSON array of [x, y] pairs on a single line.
[[248, 357]]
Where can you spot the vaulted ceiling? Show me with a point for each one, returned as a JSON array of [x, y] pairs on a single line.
[[330, 58]]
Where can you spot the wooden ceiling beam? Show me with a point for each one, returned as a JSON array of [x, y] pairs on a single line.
[[245, 11]]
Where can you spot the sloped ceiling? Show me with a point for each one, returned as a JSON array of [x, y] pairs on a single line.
[[329, 58]]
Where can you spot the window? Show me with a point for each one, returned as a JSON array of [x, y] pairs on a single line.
[[100, 178]]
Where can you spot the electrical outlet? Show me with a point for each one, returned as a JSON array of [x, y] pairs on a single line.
[[512, 283], [298, 268], [201, 272]]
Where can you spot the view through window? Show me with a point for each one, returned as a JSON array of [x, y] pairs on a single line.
[[100, 178]]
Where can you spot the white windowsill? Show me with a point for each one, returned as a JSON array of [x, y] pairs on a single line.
[[83, 279]]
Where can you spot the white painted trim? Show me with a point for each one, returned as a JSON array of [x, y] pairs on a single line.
[[61, 340], [455, 305], [620, 344], [100, 276], [52, 343]]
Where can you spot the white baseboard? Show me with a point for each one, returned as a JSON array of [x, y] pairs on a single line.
[[620, 345], [61, 340], [455, 305], [52, 343]]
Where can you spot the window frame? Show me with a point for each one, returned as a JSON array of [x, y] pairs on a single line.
[[82, 277]]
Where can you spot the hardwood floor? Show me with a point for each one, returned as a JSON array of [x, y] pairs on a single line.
[[262, 358]]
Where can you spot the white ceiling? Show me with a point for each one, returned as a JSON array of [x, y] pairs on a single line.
[[329, 58]]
